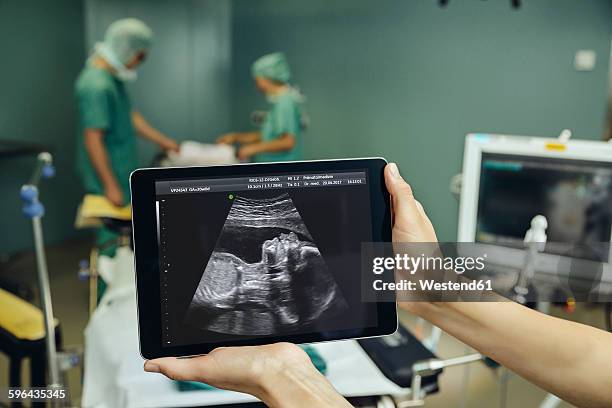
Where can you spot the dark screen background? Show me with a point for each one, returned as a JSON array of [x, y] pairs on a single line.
[[575, 197], [338, 218]]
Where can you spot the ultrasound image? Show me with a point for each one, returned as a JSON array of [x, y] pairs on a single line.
[[266, 275]]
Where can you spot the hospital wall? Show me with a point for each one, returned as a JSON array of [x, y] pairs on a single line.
[[42, 52], [402, 79], [406, 80]]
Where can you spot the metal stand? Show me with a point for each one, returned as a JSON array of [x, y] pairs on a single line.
[[33, 209], [45, 293], [430, 367]]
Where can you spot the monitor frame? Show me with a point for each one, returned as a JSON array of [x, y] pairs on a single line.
[[526, 146]]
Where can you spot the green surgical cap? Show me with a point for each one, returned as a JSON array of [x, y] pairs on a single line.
[[127, 37], [272, 66]]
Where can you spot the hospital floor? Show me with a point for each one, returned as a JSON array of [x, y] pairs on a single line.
[[70, 302]]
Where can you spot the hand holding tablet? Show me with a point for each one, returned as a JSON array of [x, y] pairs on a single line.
[[256, 254], [281, 373], [278, 374]]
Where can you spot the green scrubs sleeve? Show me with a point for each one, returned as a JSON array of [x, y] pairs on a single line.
[[94, 108], [286, 118], [283, 118]]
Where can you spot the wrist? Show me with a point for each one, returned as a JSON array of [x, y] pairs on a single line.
[[110, 185], [256, 148], [163, 140], [233, 137], [290, 387]]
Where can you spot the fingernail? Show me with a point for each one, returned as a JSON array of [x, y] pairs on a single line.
[[394, 170], [151, 367]]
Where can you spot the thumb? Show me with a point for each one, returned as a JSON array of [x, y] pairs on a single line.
[[405, 207], [182, 369]]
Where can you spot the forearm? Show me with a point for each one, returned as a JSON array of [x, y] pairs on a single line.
[[99, 159], [301, 388], [555, 354], [247, 137], [146, 131], [280, 144]]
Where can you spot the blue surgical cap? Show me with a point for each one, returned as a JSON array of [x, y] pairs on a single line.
[[272, 66], [126, 37]]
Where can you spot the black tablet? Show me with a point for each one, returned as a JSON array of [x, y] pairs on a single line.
[[256, 253]]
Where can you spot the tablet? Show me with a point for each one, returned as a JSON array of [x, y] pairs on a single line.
[[256, 253]]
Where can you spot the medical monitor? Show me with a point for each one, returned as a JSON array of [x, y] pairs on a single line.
[[507, 180]]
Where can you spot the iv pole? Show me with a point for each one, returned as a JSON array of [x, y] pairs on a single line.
[[34, 210]]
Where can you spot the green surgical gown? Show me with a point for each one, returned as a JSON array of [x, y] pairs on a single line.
[[283, 118], [103, 103]]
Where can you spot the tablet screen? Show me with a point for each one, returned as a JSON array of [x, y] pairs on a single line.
[[264, 255]]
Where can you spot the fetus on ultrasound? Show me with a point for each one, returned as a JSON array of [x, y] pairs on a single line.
[[266, 275]]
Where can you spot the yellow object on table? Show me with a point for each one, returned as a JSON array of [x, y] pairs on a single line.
[[20, 318], [95, 207]]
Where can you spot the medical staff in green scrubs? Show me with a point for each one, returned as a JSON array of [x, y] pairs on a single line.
[[280, 136], [106, 142]]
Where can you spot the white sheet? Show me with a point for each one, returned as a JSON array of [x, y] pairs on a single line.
[[201, 154]]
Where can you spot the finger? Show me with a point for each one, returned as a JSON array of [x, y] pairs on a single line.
[[404, 204], [182, 369], [392, 213], [426, 219], [420, 208]]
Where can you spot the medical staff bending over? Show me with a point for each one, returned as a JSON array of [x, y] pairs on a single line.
[[571, 360], [280, 136], [106, 143]]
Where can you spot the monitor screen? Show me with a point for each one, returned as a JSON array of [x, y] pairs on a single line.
[[266, 255], [575, 197]]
